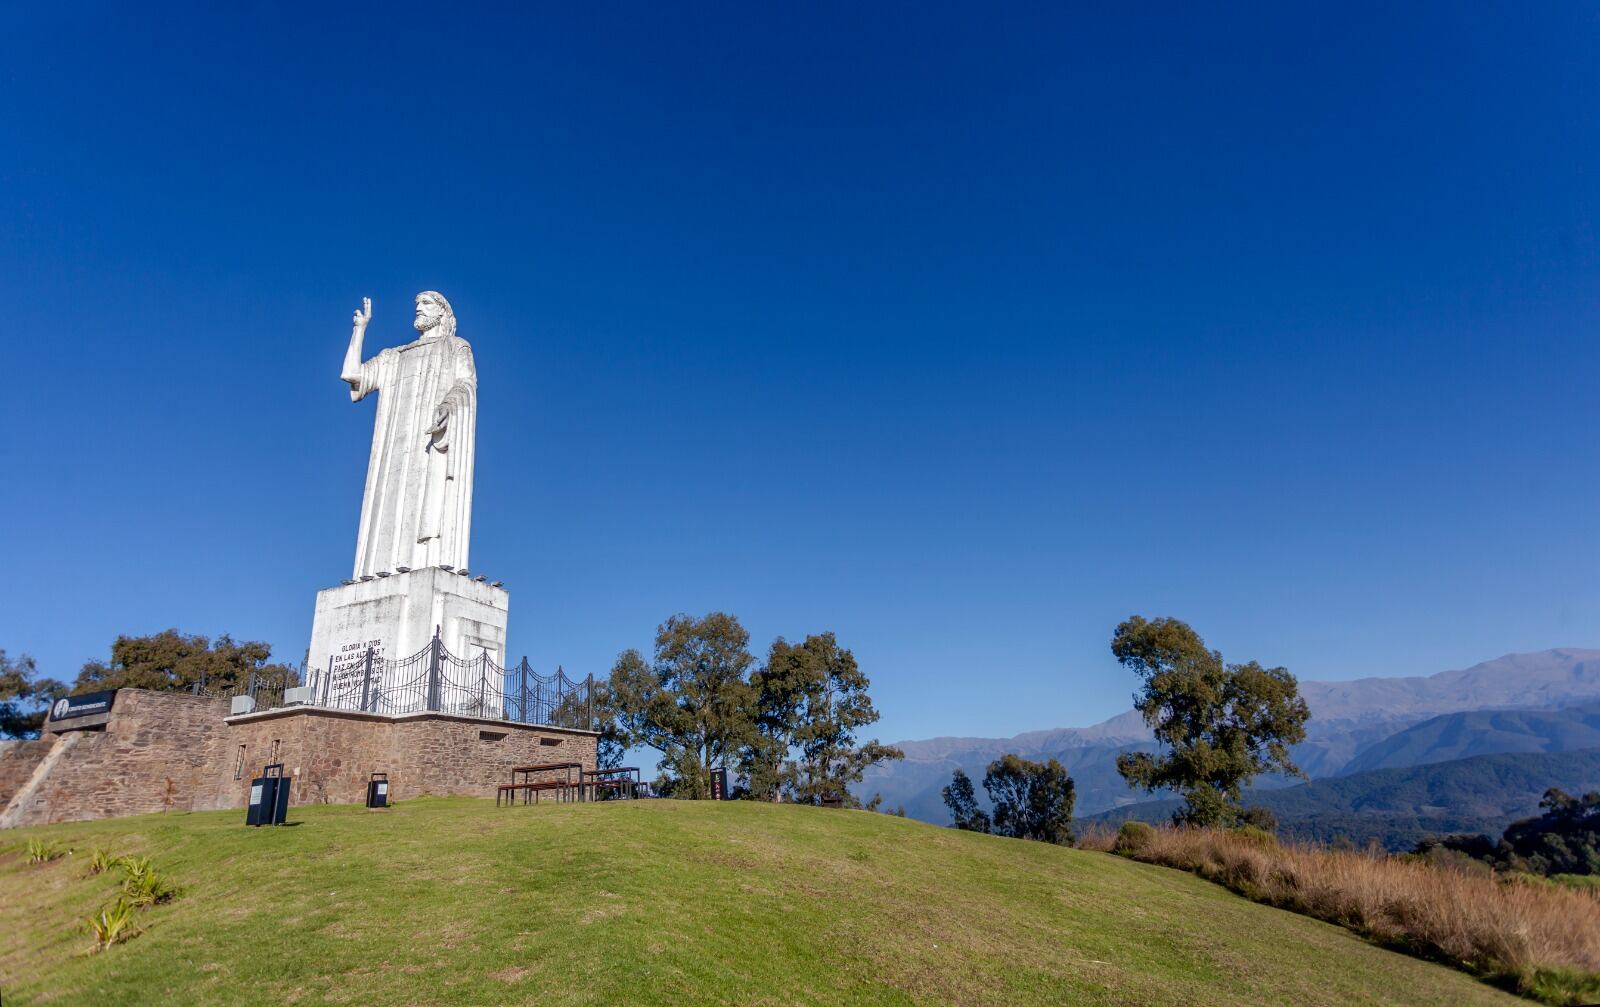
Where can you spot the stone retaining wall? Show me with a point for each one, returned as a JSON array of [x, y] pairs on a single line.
[[162, 751], [17, 762], [330, 754]]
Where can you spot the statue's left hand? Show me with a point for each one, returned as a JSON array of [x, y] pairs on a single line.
[[441, 420]]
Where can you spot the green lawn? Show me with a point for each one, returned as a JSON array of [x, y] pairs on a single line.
[[453, 901]]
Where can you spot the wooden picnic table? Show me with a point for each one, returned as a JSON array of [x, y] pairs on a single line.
[[547, 767], [528, 786], [595, 779]]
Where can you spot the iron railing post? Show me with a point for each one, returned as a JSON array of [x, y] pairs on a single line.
[[588, 702], [483, 680], [523, 709], [366, 680], [433, 671]]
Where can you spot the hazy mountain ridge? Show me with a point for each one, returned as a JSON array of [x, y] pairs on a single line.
[[1484, 732], [1545, 678], [1347, 719]]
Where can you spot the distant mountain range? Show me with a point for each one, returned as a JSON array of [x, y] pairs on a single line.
[[1399, 807], [1348, 721], [1484, 732]]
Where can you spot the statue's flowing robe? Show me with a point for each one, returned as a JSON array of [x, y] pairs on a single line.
[[417, 510]]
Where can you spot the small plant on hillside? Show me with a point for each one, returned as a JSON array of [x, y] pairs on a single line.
[[112, 925], [149, 889], [143, 885], [101, 860], [40, 852]]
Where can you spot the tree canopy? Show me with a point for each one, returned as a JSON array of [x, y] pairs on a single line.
[[1032, 800], [25, 698], [1565, 839], [962, 801], [811, 697], [1220, 725], [701, 701], [691, 702], [171, 660]]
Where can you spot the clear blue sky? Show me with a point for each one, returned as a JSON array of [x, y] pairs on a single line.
[[963, 334]]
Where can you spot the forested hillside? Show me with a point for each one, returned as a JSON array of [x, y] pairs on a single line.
[[1399, 807]]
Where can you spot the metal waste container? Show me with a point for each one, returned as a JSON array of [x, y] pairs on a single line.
[[378, 791], [269, 797]]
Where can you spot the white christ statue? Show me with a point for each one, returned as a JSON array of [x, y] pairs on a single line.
[[417, 510]]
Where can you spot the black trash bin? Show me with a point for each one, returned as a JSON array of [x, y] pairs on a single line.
[[378, 791], [269, 797]]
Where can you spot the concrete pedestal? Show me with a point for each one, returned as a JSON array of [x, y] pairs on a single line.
[[395, 617]]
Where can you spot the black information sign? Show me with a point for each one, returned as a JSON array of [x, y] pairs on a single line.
[[719, 784], [82, 706]]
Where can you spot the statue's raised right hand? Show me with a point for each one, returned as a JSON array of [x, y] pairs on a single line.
[[364, 314]]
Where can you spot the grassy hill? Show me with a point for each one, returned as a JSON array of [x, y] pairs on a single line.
[[1399, 807], [453, 901]]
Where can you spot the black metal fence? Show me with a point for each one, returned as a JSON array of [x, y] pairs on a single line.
[[431, 680], [265, 688], [435, 680]]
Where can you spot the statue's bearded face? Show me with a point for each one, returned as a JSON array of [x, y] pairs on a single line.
[[429, 311]]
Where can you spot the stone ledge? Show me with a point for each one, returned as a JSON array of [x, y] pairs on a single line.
[[396, 718]]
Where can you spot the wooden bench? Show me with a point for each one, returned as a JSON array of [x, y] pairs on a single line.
[[509, 791]]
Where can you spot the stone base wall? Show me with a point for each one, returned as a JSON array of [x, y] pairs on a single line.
[[153, 753], [175, 752], [331, 754], [17, 762]]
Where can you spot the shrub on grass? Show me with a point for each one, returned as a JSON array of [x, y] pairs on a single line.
[[1579, 882], [149, 889], [112, 925], [100, 861], [41, 852], [1259, 836], [1131, 838], [143, 885]]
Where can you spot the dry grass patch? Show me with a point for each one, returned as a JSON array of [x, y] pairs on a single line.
[[1541, 940]]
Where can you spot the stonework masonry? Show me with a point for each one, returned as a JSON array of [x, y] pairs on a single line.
[[17, 762], [176, 752]]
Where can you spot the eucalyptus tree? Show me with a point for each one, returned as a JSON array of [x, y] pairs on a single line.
[[811, 701], [1219, 725], [691, 701]]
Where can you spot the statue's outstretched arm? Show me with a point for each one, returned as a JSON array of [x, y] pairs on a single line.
[[352, 356]]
